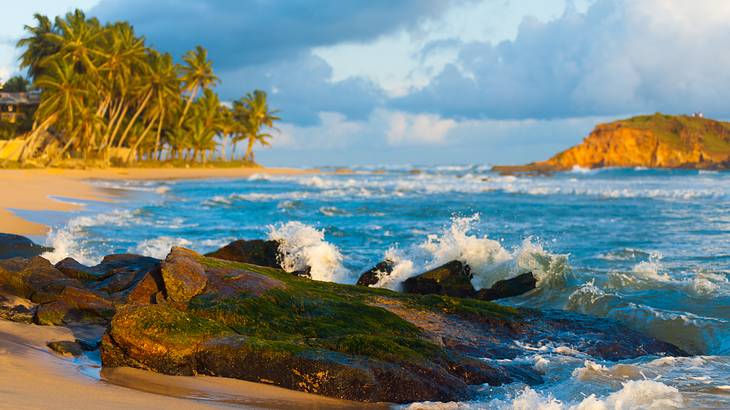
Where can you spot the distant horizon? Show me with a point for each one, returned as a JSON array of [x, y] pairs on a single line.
[[431, 82]]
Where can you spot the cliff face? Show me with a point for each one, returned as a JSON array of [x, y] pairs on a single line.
[[655, 141]]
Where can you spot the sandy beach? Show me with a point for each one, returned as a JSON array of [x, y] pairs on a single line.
[[36, 189], [33, 377]]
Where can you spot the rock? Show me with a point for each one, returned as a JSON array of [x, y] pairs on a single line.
[[653, 141], [352, 342], [14, 246], [255, 252], [66, 348], [34, 278], [151, 289], [121, 272], [16, 309], [73, 306], [509, 287], [372, 276], [452, 279], [183, 275], [75, 270]]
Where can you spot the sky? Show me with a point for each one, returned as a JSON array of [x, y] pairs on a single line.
[[435, 81]]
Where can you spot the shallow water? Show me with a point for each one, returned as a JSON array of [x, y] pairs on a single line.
[[649, 248]]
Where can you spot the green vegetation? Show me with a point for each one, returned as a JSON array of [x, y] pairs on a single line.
[[323, 315], [15, 84], [678, 130], [106, 96]]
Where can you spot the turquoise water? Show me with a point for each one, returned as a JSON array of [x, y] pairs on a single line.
[[650, 248]]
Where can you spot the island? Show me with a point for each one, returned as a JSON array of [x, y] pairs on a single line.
[[651, 141]]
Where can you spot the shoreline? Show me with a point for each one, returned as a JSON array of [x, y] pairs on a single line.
[[53, 189], [24, 356]]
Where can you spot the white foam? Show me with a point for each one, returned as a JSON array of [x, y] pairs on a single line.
[[303, 246], [160, 246], [67, 241], [488, 259], [633, 395]]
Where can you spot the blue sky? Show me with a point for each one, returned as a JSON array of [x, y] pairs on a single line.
[[437, 81]]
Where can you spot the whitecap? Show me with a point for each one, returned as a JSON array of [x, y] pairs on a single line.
[[304, 246]]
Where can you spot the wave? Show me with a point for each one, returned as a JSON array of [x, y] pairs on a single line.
[[633, 395], [67, 241], [693, 333], [488, 259], [435, 182], [303, 246], [160, 246]]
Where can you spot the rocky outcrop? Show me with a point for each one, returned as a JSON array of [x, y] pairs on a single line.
[[255, 252], [262, 324], [508, 288], [71, 293], [373, 275], [14, 246], [192, 314], [653, 141]]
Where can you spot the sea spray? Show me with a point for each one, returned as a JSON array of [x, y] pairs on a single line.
[[488, 259], [303, 246]]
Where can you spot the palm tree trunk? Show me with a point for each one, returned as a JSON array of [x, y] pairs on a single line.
[[139, 141], [157, 139], [30, 145], [63, 151], [134, 118], [249, 150], [193, 93]]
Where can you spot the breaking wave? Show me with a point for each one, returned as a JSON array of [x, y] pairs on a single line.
[[303, 246], [488, 259]]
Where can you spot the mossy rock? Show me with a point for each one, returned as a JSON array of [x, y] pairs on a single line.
[[353, 342]]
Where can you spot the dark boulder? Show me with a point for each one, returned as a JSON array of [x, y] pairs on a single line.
[[75, 306], [15, 309], [66, 347], [256, 252], [452, 279], [35, 279], [509, 287], [372, 276], [14, 246], [75, 270]]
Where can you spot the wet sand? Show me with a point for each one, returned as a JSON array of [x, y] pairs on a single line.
[[33, 377], [35, 189]]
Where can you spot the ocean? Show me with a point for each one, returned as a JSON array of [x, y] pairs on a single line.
[[650, 248]]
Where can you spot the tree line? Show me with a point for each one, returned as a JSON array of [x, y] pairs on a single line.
[[103, 89]]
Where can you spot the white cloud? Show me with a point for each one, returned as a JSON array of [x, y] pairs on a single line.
[[334, 130], [418, 129], [618, 56]]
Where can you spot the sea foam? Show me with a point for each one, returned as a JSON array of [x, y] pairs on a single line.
[[304, 246], [488, 259]]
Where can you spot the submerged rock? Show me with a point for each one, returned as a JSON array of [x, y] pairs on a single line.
[[14, 246], [66, 347], [256, 252], [509, 287], [374, 275], [264, 325], [452, 279]]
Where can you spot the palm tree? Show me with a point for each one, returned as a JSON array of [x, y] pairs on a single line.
[[62, 100], [78, 39], [37, 45], [252, 114], [125, 54], [197, 74]]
